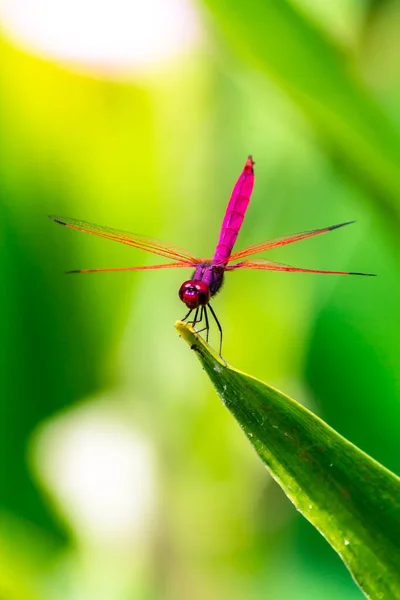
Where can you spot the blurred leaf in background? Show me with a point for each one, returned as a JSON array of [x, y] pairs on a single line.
[[139, 117]]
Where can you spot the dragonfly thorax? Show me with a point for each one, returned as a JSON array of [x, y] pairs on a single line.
[[194, 293]]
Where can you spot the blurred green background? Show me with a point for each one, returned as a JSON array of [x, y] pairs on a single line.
[[122, 475]]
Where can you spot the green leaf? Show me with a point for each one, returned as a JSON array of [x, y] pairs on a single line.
[[323, 83], [351, 499]]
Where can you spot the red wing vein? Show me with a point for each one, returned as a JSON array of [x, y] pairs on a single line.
[[175, 265], [130, 239], [282, 241], [268, 265]]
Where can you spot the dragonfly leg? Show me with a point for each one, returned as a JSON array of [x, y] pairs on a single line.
[[188, 314], [200, 318], [219, 327], [207, 325], [195, 317]]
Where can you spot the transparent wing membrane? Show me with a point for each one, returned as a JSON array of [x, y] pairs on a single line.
[[269, 265], [130, 239], [282, 241], [184, 259], [174, 265]]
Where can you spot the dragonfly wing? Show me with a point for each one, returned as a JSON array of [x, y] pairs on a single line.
[[282, 241], [269, 265], [174, 265], [130, 239]]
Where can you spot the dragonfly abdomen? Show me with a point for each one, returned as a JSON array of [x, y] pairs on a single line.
[[234, 215], [227, 241]]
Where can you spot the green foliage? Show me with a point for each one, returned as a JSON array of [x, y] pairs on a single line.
[[351, 499], [323, 83], [157, 153]]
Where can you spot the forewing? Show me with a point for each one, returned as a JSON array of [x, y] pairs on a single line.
[[174, 265], [130, 239], [269, 265], [282, 241]]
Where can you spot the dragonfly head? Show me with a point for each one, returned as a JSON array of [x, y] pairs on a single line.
[[194, 293]]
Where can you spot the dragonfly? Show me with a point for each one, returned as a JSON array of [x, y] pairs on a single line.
[[208, 276]]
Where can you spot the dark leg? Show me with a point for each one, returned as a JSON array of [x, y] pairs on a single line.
[[207, 323], [195, 317], [219, 327], [201, 314], [198, 320], [186, 316], [207, 327]]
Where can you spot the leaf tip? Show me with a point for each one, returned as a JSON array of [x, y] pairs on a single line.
[[187, 332], [196, 342]]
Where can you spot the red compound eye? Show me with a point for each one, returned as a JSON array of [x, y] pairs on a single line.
[[194, 293]]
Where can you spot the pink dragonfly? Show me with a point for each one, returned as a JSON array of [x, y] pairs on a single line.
[[208, 276]]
